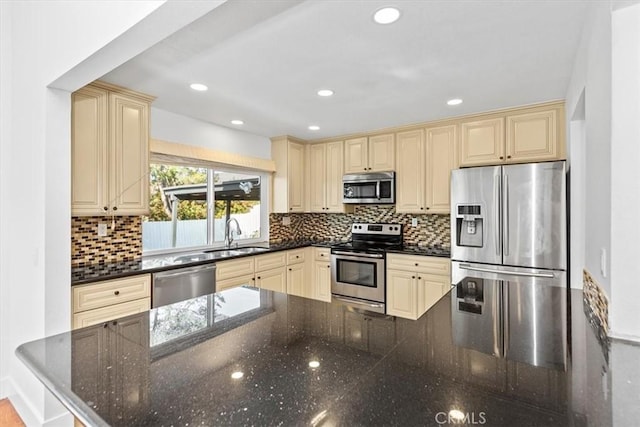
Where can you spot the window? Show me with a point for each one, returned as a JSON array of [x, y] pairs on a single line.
[[190, 207]]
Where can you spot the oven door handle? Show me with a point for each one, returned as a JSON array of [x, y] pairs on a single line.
[[358, 254], [357, 301]]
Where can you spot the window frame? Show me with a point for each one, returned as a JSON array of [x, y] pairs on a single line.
[[265, 197]]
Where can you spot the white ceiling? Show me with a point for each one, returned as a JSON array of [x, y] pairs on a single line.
[[263, 62]]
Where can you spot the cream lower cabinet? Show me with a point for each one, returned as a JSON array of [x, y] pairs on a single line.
[[325, 177], [425, 159], [111, 299], [109, 151], [415, 283], [321, 275]]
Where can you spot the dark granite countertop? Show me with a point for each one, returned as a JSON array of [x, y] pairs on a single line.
[[253, 357], [152, 264]]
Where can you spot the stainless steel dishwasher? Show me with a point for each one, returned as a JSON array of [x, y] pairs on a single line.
[[183, 283]]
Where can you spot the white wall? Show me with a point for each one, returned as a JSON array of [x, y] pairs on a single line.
[[625, 174], [592, 75], [40, 42], [180, 129]]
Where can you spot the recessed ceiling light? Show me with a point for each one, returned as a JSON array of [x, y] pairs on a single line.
[[237, 122], [325, 92], [314, 127], [237, 375], [386, 15], [314, 364], [455, 101], [199, 87]]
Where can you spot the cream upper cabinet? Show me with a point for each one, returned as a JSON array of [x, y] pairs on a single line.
[[533, 136], [325, 177], [109, 151], [425, 160], [442, 158], [288, 180], [410, 176], [370, 154], [522, 135], [482, 142]]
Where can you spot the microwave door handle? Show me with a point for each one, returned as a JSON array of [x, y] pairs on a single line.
[[378, 190]]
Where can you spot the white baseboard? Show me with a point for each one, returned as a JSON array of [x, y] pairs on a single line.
[[26, 409], [634, 339]]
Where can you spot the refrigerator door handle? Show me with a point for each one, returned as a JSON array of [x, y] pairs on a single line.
[[513, 273], [496, 202], [505, 318], [498, 340], [505, 217]]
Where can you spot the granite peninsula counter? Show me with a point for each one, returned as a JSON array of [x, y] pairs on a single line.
[[253, 357]]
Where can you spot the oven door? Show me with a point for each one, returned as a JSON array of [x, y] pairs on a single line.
[[358, 275]]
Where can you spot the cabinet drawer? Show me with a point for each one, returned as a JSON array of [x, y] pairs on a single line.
[[104, 314], [270, 261], [234, 268], [233, 282], [322, 254], [110, 292], [423, 264], [295, 256]]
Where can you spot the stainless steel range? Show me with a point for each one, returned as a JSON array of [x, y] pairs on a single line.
[[358, 267]]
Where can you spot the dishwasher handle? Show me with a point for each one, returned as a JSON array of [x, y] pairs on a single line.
[[183, 271]]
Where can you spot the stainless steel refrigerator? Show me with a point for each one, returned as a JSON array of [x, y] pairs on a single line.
[[509, 258]]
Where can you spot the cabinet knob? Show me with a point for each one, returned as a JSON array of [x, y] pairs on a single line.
[[297, 256], [290, 209], [115, 208], [116, 293], [413, 277], [105, 208], [289, 269], [254, 279], [328, 266], [428, 208], [105, 325], [421, 209], [419, 278], [508, 157], [416, 264], [365, 168], [258, 277], [501, 157], [321, 254]]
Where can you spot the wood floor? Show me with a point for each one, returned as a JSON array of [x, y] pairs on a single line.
[[8, 416]]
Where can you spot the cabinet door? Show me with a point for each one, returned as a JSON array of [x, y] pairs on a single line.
[[295, 280], [273, 280], [129, 189], [532, 137], [410, 176], [334, 167], [89, 152], [402, 294], [317, 177], [356, 155], [296, 177], [430, 290], [382, 151], [99, 315], [321, 281], [482, 142], [233, 282], [441, 159], [90, 379]]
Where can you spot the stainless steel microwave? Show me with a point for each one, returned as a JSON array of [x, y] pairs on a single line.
[[371, 188]]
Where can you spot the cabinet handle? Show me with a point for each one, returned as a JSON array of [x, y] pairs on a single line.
[[115, 208], [116, 293]]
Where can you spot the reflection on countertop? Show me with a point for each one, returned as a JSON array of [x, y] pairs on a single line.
[[254, 357], [152, 264]]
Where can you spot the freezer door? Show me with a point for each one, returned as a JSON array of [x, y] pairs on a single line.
[[534, 215], [535, 322], [476, 191]]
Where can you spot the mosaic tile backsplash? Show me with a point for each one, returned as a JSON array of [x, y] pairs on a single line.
[[432, 230], [121, 244], [596, 307]]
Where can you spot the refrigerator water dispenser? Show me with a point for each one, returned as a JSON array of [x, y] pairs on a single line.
[[469, 228]]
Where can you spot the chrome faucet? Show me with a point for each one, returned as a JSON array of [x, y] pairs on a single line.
[[228, 235]]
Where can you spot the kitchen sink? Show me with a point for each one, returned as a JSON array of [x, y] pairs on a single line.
[[237, 251]]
